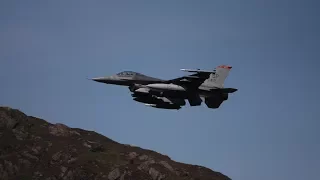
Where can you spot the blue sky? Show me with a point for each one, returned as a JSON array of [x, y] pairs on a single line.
[[269, 129]]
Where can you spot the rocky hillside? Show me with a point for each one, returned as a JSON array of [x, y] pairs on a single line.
[[31, 148]]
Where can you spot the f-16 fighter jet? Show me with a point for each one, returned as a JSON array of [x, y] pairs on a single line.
[[171, 94]]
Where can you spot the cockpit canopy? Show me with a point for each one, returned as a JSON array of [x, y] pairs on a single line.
[[127, 73], [130, 74], [136, 76]]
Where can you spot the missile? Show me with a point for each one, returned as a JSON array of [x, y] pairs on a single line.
[[198, 70]]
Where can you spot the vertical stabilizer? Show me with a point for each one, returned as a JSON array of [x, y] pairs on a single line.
[[216, 80]]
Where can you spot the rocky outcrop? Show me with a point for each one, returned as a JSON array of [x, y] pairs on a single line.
[[31, 148]]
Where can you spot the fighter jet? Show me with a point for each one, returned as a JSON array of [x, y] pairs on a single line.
[[171, 94]]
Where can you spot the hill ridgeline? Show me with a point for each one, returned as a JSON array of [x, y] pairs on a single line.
[[32, 148]]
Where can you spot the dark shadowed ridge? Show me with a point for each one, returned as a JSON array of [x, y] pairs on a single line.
[[31, 148]]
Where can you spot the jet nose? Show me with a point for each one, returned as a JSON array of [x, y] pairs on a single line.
[[98, 79]]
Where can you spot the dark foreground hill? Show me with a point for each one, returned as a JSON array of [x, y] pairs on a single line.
[[31, 148]]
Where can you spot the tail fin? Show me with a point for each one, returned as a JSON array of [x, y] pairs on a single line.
[[216, 80]]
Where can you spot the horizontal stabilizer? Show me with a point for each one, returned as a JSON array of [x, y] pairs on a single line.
[[225, 90]]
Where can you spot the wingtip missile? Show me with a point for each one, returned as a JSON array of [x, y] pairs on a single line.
[[207, 71], [198, 70]]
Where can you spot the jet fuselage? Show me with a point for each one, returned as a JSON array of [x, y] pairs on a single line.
[[156, 87], [169, 93]]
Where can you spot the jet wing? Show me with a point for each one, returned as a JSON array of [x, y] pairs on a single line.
[[194, 80]]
